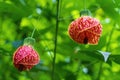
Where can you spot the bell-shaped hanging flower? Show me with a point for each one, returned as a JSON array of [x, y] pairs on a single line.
[[25, 57], [85, 30]]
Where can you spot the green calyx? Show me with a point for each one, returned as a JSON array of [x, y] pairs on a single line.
[[85, 12], [29, 41]]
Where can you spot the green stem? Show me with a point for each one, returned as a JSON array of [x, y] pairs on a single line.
[[110, 36], [107, 49], [33, 33], [55, 42], [100, 71], [84, 2]]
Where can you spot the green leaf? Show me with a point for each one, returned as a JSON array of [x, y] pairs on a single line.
[[115, 58], [109, 8], [13, 11], [89, 55]]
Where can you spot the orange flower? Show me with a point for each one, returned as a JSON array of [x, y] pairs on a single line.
[[85, 30], [25, 57]]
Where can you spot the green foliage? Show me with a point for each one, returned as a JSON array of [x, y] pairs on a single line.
[[74, 61]]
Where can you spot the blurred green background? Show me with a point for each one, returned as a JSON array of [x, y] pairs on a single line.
[[74, 61]]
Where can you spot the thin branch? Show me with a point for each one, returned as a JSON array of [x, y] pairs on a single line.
[[55, 42]]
